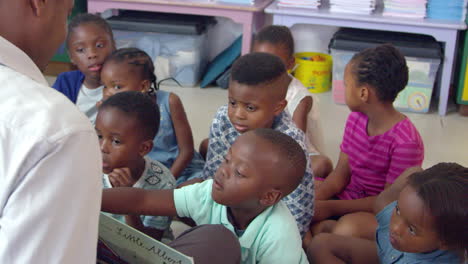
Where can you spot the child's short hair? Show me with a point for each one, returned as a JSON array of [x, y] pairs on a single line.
[[137, 58], [256, 68], [382, 67], [290, 151], [444, 190], [139, 106], [277, 35], [86, 18]]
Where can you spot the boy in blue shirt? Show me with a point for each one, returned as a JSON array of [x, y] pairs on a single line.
[[257, 99], [123, 154], [244, 196], [422, 219]]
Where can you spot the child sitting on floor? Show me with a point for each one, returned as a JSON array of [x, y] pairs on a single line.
[[89, 42], [303, 106], [256, 99], [422, 219], [131, 69], [126, 125], [379, 143], [244, 196]]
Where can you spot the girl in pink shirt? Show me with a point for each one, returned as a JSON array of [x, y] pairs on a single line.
[[379, 143]]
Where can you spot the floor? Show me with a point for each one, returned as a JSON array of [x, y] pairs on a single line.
[[444, 137]]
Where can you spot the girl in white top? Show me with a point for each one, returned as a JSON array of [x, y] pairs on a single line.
[[302, 105], [297, 92]]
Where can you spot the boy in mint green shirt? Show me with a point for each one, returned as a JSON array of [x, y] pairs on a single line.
[[244, 196]]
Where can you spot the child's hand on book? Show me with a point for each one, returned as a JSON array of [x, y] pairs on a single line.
[[121, 177]]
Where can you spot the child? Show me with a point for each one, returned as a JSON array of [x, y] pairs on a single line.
[[89, 42], [302, 105], [131, 69], [379, 142], [123, 154], [257, 92], [422, 219], [244, 196]]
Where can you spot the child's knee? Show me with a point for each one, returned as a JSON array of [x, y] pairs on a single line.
[[321, 166], [319, 242], [317, 183], [360, 224], [203, 148], [326, 226]]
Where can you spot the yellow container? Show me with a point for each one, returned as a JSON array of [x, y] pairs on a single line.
[[314, 71]]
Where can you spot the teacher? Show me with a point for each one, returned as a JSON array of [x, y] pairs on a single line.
[[50, 163]]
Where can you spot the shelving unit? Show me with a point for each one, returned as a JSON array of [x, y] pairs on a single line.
[[251, 17], [443, 31]]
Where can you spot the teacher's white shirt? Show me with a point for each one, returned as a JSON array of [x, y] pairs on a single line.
[[50, 169]]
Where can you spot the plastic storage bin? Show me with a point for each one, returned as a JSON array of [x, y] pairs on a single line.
[[422, 53], [181, 57]]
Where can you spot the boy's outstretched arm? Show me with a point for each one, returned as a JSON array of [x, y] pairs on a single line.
[[128, 200], [391, 193]]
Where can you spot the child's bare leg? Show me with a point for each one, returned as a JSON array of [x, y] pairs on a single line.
[[317, 184], [306, 239], [321, 165], [209, 244], [359, 225], [326, 226], [203, 148], [331, 249]]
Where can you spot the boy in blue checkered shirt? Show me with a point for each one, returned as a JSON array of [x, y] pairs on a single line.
[[257, 92]]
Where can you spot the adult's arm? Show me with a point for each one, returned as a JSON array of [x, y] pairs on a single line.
[[50, 198]]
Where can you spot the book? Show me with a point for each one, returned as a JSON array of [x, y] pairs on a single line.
[[120, 244]]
